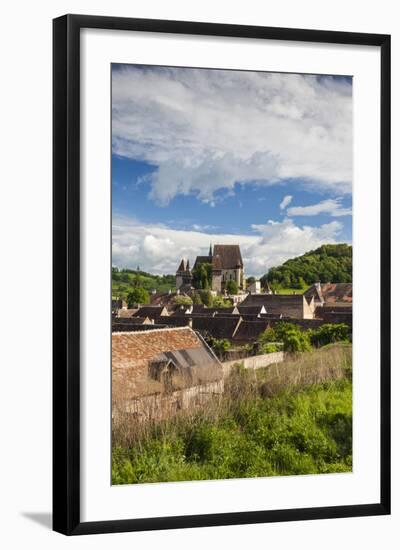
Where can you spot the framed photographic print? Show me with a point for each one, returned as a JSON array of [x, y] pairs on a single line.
[[221, 349]]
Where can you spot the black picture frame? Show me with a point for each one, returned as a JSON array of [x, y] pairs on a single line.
[[66, 273]]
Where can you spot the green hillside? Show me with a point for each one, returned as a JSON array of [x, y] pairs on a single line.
[[328, 263], [123, 282]]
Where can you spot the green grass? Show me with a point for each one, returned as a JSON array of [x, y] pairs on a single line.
[[291, 290], [304, 429]]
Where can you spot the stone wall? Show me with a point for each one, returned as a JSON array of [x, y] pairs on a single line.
[[255, 362]]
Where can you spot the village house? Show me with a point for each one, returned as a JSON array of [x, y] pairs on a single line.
[[151, 312], [216, 327], [256, 310], [334, 302], [156, 373], [285, 305], [254, 287], [226, 265], [330, 293], [174, 321], [248, 332], [166, 299], [125, 312], [129, 323]]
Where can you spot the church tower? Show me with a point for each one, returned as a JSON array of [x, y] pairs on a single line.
[[180, 274], [183, 274]]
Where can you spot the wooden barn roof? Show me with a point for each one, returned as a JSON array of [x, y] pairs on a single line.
[[133, 352]]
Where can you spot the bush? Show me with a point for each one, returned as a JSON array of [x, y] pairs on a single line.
[[183, 300], [269, 348], [329, 334], [269, 335], [138, 296], [220, 347], [292, 337], [197, 299], [232, 287], [206, 297], [219, 301]]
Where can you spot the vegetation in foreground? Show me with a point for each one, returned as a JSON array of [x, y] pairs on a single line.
[[292, 418], [287, 337]]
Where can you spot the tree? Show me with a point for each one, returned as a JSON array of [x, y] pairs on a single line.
[[202, 276], [138, 296], [206, 297], [232, 287], [125, 278], [196, 299], [268, 336], [330, 333], [328, 263], [219, 301], [183, 300], [220, 347], [300, 283], [292, 337], [250, 280]]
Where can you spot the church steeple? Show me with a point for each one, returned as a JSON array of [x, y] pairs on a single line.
[[181, 266], [210, 253]]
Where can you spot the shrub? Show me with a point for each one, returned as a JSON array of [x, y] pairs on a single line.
[[183, 300], [219, 301], [291, 336], [269, 335], [232, 287], [206, 297], [197, 299], [138, 296], [269, 348], [329, 334], [220, 346]]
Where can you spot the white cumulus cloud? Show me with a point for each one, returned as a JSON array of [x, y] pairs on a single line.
[[204, 130], [333, 207], [159, 249]]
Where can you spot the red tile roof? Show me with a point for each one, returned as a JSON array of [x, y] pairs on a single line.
[[133, 351]]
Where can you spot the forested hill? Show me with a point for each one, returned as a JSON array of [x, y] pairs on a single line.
[[328, 263], [125, 280]]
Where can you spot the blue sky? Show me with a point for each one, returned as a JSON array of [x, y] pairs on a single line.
[[200, 156]]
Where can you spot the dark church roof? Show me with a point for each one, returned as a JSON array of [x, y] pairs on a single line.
[[229, 254], [181, 266]]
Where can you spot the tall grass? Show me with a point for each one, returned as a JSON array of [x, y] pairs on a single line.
[[292, 418]]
